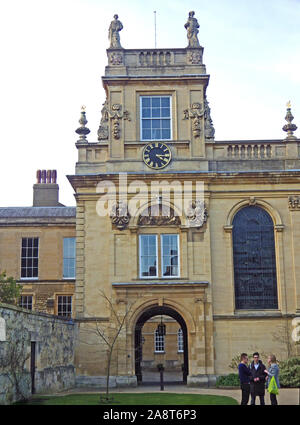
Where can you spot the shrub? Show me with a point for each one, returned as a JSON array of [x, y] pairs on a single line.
[[231, 380], [289, 372]]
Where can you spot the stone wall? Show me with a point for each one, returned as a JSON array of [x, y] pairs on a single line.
[[54, 339]]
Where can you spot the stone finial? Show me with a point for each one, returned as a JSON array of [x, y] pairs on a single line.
[[192, 31], [289, 127], [83, 131], [113, 33]]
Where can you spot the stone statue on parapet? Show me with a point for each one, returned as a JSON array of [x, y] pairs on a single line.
[[192, 31], [113, 33]]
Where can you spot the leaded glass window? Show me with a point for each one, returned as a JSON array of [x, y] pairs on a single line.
[[254, 259]]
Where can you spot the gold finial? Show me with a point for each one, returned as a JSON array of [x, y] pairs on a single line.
[[288, 105]]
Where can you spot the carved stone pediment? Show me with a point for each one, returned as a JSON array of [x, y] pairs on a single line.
[[158, 215]]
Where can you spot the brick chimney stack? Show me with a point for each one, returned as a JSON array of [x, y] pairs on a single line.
[[45, 191]]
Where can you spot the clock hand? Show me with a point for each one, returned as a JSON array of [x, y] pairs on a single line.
[[160, 156]]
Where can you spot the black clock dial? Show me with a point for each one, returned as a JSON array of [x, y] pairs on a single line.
[[156, 155]]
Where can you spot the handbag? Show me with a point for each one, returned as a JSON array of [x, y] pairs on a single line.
[[272, 388]]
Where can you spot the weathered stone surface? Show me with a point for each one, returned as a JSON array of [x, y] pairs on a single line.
[[55, 341]]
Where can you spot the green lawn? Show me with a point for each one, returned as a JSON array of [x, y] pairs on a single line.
[[134, 399]]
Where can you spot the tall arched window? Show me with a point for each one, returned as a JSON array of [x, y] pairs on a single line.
[[254, 259]]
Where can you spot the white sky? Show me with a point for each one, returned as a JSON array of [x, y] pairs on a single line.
[[53, 54]]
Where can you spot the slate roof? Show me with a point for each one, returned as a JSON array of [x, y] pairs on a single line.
[[32, 212]]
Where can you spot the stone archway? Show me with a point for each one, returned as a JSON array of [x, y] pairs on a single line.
[[144, 317]]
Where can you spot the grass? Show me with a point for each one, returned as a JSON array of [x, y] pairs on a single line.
[[134, 399]]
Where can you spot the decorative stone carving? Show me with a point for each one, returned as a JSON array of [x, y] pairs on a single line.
[[103, 128], [83, 131], [115, 115], [195, 113], [289, 127], [208, 123], [120, 215], [294, 202], [116, 58], [192, 30], [158, 215], [197, 213], [195, 57], [113, 33], [252, 200]]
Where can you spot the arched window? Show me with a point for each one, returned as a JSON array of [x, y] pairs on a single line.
[[254, 259]]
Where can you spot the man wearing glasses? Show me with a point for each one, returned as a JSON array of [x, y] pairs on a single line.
[[257, 380]]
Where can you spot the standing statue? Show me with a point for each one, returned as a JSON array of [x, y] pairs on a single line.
[[192, 31], [113, 33]]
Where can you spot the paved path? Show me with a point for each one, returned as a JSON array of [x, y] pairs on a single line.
[[287, 396]]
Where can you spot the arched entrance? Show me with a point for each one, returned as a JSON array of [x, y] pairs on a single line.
[[148, 314]]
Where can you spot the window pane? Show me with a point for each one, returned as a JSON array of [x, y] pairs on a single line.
[[147, 134], [170, 255], [156, 134], [165, 113], [145, 102], [147, 124], [155, 102], [155, 112], [165, 102], [166, 134], [148, 260], [146, 113]]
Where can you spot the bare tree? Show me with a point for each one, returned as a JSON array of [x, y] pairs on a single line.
[[110, 333], [284, 335]]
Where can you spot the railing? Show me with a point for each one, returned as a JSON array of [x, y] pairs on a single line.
[[249, 151], [154, 58]]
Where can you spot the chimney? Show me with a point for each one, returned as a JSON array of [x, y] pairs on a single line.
[[45, 191]]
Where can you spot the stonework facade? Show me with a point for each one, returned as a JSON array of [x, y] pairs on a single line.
[[227, 275]]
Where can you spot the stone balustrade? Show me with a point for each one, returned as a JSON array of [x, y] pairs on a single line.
[[156, 58], [250, 151]]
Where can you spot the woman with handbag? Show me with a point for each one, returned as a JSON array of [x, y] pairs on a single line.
[[273, 381]]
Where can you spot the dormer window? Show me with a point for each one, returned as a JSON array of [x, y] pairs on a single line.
[[156, 118]]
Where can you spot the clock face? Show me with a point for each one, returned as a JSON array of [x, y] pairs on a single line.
[[156, 155]]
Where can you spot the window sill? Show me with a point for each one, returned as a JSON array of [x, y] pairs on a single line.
[[29, 278], [159, 352]]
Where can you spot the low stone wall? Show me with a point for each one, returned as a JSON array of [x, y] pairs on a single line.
[[100, 381], [54, 339]]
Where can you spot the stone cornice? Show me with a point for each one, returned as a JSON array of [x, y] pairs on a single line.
[[240, 177]]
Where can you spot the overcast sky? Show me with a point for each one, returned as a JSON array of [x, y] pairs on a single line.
[[53, 54]]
